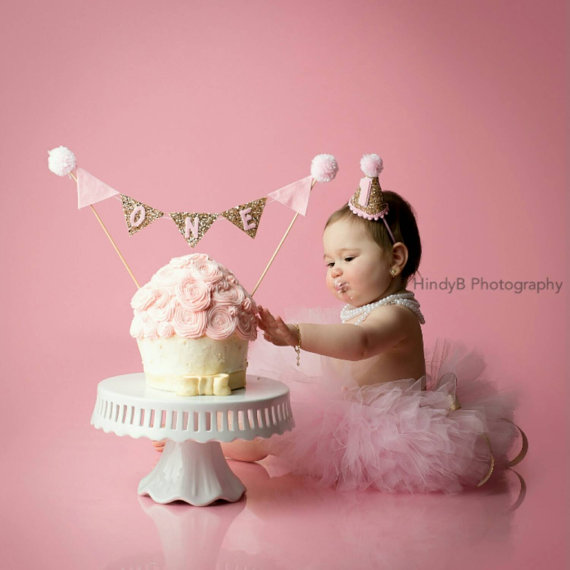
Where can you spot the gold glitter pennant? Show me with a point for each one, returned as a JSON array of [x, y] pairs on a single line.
[[138, 215], [246, 216], [193, 226]]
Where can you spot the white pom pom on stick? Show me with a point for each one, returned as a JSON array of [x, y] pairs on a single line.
[[61, 161], [324, 167], [371, 165]]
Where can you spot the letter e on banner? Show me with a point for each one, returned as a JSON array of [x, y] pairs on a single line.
[[247, 219]]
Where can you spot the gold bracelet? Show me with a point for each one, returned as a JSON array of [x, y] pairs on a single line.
[[297, 347]]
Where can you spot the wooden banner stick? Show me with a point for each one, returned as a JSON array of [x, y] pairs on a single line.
[[122, 258], [313, 182]]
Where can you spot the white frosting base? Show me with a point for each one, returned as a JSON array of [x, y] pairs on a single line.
[[178, 364]]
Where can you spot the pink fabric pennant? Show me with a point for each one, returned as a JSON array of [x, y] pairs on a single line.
[[91, 190], [295, 195]]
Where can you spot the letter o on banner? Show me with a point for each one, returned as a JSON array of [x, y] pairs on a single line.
[[137, 216]]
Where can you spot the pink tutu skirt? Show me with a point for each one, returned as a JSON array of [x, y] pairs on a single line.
[[444, 432]]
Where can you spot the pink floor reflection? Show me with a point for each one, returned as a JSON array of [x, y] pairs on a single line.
[[75, 505], [286, 522]]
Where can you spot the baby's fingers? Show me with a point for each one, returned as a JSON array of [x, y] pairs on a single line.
[[267, 319]]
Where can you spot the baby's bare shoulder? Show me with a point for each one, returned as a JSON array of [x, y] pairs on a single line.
[[396, 316]]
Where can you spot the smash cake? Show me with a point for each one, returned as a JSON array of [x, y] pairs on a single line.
[[193, 322]]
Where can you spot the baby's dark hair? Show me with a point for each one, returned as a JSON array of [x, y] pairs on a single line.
[[402, 222]]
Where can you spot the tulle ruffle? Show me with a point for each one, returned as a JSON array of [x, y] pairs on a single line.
[[444, 432]]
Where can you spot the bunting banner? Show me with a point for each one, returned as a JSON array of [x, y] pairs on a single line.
[[193, 226], [246, 217], [91, 190], [137, 214]]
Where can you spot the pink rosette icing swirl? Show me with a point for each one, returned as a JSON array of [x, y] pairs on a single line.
[[208, 270], [165, 330], [221, 322], [162, 310], [143, 298], [166, 276], [193, 294], [188, 323], [231, 296], [143, 327], [137, 327], [191, 297], [246, 326], [149, 327], [187, 260]]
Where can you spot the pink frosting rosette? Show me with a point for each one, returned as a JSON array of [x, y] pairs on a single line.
[[143, 298], [193, 294], [137, 326], [208, 270], [187, 260], [162, 310], [246, 326], [143, 326], [232, 296], [165, 330], [149, 327], [221, 322], [166, 276], [188, 323]]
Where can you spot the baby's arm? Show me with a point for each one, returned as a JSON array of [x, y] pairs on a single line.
[[382, 329]]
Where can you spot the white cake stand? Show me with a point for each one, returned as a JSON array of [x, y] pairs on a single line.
[[192, 467]]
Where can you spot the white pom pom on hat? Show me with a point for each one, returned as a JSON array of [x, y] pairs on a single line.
[[324, 167], [371, 165], [61, 161]]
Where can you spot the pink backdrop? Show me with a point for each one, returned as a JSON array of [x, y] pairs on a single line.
[[201, 106]]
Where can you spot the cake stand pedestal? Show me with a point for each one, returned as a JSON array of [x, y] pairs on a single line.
[[192, 467]]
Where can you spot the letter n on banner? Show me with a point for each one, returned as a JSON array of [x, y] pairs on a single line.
[[138, 215], [193, 226], [246, 216]]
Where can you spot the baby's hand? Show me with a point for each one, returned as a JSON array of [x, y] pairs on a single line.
[[275, 330]]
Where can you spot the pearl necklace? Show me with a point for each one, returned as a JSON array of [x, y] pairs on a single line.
[[406, 299]]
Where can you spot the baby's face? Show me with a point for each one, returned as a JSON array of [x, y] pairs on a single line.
[[357, 267]]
